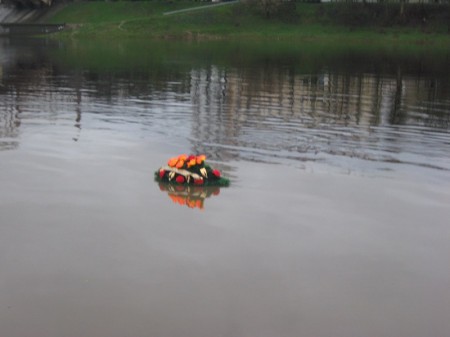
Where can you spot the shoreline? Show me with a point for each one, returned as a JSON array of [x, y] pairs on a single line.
[[188, 21]]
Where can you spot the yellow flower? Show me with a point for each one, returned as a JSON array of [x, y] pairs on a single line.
[[192, 162]]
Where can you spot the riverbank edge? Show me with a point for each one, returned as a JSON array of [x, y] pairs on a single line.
[[82, 24]]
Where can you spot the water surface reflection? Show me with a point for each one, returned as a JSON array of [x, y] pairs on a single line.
[[299, 109], [190, 196]]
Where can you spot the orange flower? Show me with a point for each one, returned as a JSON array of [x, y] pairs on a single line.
[[172, 162], [180, 163], [183, 159], [200, 159]]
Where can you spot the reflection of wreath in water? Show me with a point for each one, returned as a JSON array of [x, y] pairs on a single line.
[[190, 170], [190, 196]]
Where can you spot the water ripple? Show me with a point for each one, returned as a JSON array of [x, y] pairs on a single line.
[[352, 121]]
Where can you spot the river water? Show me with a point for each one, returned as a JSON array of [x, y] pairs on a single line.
[[336, 223]]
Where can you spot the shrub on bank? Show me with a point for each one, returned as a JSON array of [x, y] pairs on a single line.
[[385, 14]]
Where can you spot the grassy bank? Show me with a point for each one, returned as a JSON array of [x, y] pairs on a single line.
[[147, 19]]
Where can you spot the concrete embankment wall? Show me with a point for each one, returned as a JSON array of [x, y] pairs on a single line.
[[25, 21], [11, 14]]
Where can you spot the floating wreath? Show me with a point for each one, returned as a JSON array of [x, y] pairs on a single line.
[[190, 170]]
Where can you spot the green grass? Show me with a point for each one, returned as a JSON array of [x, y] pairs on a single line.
[[145, 19], [94, 12]]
